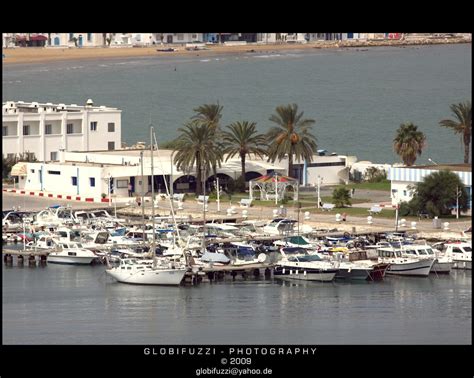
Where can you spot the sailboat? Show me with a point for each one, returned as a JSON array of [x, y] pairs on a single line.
[[154, 271]]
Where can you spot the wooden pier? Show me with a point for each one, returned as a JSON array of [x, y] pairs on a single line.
[[22, 254]]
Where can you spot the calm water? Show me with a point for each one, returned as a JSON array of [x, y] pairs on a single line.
[[78, 305], [358, 98]]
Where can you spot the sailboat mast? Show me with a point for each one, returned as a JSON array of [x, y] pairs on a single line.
[[142, 194], [152, 198]]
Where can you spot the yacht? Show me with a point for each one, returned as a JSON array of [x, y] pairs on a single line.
[[443, 263], [71, 253], [404, 266], [148, 272], [297, 264], [461, 253]]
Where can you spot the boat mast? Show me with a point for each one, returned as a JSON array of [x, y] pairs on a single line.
[[152, 199], [142, 195]]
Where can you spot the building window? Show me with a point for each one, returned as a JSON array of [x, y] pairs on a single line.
[[93, 126], [180, 36], [111, 146], [48, 129], [92, 181], [54, 172], [74, 181], [54, 155], [89, 37], [405, 193], [4, 130], [111, 127], [10, 156], [26, 129], [70, 36], [32, 171], [70, 128]]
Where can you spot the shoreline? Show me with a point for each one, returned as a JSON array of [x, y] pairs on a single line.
[[28, 55]]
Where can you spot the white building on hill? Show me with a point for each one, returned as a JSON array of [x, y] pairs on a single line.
[[45, 129]]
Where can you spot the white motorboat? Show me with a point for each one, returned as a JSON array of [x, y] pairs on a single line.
[[297, 264], [461, 253], [404, 266], [145, 272], [443, 264], [280, 226], [71, 253]]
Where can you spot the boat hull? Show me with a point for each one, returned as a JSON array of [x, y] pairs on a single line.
[[76, 260], [305, 274], [419, 268], [172, 277], [462, 264], [378, 272], [354, 274], [442, 267]]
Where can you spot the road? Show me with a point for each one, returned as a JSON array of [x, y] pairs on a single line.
[[34, 203]]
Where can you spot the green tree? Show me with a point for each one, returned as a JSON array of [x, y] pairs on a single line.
[[9, 162], [195, 147], [374, 174], [243, 139], [436, 194], [291, 136], [409, 142], [341, 196], [461, 125]]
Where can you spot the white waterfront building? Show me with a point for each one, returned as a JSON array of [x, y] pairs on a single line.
[[403, 179], [45, 128], [89, 174]]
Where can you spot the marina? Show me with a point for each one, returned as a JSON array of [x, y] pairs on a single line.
[[107, 239]]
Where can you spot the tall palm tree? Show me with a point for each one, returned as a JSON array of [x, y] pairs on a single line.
[[461, 125], [243, 139], [291, 136], [210, 116], [195, 147], [409, 142]]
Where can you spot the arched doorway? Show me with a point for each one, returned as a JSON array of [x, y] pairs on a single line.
[[56, 41], [185, 184], [224, 182]]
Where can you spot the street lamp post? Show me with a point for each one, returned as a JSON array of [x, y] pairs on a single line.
[[218, 194], [458, 194], [110, 177], [319, 193]]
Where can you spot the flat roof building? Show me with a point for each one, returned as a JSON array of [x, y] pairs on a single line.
[[43, 129]]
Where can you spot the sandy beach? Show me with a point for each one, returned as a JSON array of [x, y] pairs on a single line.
[[44, 54]]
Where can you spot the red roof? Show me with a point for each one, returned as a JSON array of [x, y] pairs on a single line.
[[38, 38]]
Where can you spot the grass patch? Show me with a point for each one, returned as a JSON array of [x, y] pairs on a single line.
[[382, 185]]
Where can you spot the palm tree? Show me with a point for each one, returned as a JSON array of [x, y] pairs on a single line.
[[210, 116], [195, 147], [291, 137], [409, 142], [243, 139], [461, 125]]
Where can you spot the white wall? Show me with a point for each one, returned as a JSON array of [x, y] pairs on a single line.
[[62, 184], [400, 191], [83, 139]]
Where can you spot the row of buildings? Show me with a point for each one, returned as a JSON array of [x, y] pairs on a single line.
[[147, 39], [79, 153]]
